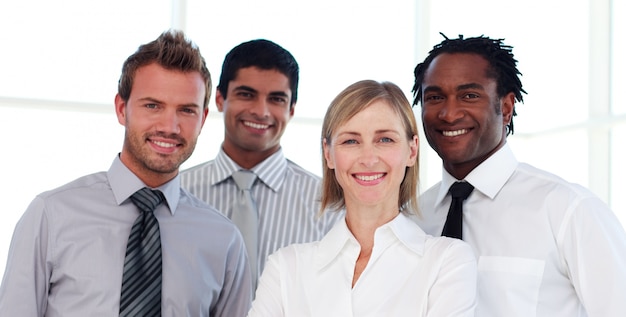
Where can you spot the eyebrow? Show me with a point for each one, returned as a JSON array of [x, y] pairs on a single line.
[[153, 100], [458, 88], [279, 94], [381, 131], [470, 86], [150, 99], [252, 90], [245, 88]]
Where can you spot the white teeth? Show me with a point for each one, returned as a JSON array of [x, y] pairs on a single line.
[[164, 144], [455, 133], [256, 125], [370, 177]]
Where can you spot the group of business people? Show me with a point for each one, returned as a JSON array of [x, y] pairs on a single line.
[[495, 237]]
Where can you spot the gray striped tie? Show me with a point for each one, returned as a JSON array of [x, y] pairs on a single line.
[[141, 282], [245, 216]]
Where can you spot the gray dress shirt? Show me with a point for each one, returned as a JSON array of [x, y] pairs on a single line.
[[67, 253], [287, 198]]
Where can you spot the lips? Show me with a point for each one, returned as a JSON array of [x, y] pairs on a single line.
[[451, 133], [255, 125], [369, 178], [164, 144]]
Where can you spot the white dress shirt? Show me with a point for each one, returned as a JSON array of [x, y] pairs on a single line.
[[68, 249], [408, 274], [545, 247], [287, 198]]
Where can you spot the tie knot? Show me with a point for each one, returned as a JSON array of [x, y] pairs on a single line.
[[461, 190], [244, 179], [147, 199]]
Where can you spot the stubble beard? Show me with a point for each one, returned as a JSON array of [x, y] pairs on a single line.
[[157, 163]]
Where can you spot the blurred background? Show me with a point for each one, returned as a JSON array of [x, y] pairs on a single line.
[[60, 62]]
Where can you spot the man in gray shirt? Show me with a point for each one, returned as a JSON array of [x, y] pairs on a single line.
[[69, 254]]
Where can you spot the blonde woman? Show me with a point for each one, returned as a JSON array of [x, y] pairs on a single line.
[[376, 261]]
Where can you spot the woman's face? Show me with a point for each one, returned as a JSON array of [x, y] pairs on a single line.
[[369, 154]]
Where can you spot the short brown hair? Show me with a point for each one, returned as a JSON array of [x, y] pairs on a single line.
[[171, 50], [347, 104]]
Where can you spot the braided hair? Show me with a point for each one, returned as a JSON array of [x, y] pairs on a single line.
[[503, 66]]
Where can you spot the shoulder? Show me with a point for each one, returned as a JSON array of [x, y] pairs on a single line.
[[96, 181], [197, 169], [301, 172], [430, 194], [449, 249], [552, 186], [86, 190]]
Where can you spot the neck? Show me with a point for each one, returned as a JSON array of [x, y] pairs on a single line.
[[245, 158]]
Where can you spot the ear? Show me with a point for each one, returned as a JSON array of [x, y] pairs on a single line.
[[329, 162], [508, 104], [219, 101], [205, 113], [414, 151], [120, 109], [292, 110]]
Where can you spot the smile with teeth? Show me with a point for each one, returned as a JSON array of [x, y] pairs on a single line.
[[455, 133], [164, 144], [256, 125], [369, 178]]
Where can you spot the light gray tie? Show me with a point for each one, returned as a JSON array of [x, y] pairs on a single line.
[[246, 217]]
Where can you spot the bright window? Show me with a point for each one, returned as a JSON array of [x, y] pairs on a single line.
[[61, 61]]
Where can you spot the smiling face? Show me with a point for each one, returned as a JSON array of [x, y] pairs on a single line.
[[464, 120], [369, 154], [256, 112], [163, 118]]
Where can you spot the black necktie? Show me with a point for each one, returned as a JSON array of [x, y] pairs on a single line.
[[141, 281], [454, 223]]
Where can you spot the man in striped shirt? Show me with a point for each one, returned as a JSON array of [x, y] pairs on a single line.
[[257, 93]]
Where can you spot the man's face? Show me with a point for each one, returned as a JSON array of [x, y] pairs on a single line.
[[163, 118], [464, 120], [256, 112]]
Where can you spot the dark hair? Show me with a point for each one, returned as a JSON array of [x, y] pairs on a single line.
[[171, 50], [265, 55], [502, 65]]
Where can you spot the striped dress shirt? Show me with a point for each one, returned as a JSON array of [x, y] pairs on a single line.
[[287, 198]]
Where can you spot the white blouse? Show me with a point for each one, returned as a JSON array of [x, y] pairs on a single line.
[[409, 274]]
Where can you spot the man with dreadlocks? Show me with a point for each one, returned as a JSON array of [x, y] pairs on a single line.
[[545, 247]]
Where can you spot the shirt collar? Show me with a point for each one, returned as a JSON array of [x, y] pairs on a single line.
[[124, 183], [400, 229], [489, 177], [270, 171]]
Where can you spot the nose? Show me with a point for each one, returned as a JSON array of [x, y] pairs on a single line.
[[169, 122], [369, 156], [450, 111], [260, 108]]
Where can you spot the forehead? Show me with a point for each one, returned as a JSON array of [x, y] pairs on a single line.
[[157, 82], [260, 79], [377, 115], [464, 67]]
